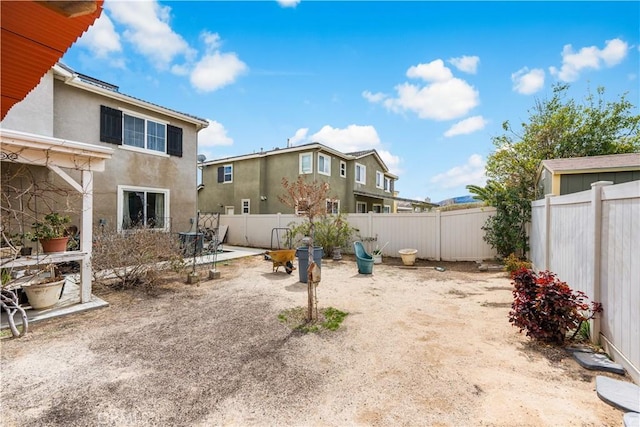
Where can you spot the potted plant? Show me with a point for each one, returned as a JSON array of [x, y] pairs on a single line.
[[51, 232], [377, 254], [44, 288]]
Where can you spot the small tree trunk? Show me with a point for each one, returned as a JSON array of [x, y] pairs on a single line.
[[311, 298]]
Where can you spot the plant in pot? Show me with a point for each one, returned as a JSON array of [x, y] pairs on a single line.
[[377, 254], [51, 232], [333, 233], [44, 287]]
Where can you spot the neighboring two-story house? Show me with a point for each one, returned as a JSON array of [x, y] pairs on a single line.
[[250, 184], [151, 176]]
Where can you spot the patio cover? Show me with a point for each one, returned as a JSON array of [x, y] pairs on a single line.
[[56, 153]]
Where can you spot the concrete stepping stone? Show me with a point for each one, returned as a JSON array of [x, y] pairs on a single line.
[[597, 362], [620, 394], [631, 419]]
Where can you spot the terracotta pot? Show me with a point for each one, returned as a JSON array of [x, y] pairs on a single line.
[[57, 244], [43, 295]]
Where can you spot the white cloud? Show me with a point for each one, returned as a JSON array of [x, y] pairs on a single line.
[[351, 138], [466, 126], [288, 3], [216, 70], [444, 97], [467, 64], [373, 97], [300, 135], [101, 39], [589, 58], [148, 30], [471, 172], [215, 135], [438, 101], [434, 71], [527, 81]]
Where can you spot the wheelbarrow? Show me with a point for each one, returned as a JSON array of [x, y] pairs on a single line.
[[281, 257]]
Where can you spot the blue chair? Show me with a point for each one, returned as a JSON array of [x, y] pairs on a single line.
[[363, 259]]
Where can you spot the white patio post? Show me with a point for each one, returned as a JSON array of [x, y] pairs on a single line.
[[86, 235]]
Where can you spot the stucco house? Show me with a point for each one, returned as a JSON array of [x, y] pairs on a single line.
[[250, 184], [572, 175], [150, 177]]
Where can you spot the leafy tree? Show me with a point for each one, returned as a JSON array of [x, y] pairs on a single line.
[[558, 128]]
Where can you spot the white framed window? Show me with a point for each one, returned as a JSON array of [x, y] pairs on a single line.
[[324, 164], [225, 174], [306, 163], [343, 169], [361, 174], [379, 179], [246, 206], [387, 184], [333, 206], [361, 207], [386, 209], [143, 207], [229, 210], [144, 133], [377, 208]]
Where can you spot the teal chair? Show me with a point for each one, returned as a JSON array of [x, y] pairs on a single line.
[[363, 259]]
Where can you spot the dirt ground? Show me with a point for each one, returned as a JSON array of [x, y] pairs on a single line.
[[419, 348]]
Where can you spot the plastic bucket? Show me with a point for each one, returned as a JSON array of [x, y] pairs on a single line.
[[303, 260]]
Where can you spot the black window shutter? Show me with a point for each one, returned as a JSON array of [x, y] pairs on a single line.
[[174, 141], [110, 125], [221, 174]]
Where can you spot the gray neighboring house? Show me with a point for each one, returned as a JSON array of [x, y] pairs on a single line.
[[150, 177], [250, 184], [572, 175]]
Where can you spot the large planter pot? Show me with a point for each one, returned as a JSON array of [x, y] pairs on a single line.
[[57, 244], [44, 295], [408, 256]]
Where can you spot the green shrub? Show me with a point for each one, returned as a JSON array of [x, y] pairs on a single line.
[[512, 263]]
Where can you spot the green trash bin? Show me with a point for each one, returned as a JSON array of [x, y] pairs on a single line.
[[303, 260]]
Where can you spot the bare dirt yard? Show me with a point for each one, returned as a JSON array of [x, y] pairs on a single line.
[[419, 347]]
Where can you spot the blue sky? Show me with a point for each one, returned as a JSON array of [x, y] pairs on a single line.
[[427, 84]]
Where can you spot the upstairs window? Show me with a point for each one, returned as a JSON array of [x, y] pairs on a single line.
[[379, 179], [139, 132], [343, 169], [387, 184], [324, 164], [361, 174], [225, 174], [306, 164]]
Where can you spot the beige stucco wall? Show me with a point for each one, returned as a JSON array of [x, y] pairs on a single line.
[[77, 117], [34, 114]]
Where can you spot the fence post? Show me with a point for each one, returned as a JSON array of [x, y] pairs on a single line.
[[596, 227], [547, 231], [438, 234]]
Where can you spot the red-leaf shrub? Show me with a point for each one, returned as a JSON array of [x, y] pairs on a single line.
[[546, 307]]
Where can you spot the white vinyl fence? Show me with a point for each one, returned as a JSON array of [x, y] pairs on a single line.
[[441, 236], [591, 240]]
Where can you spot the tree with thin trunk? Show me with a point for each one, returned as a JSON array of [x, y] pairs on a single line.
[[308, 199]]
